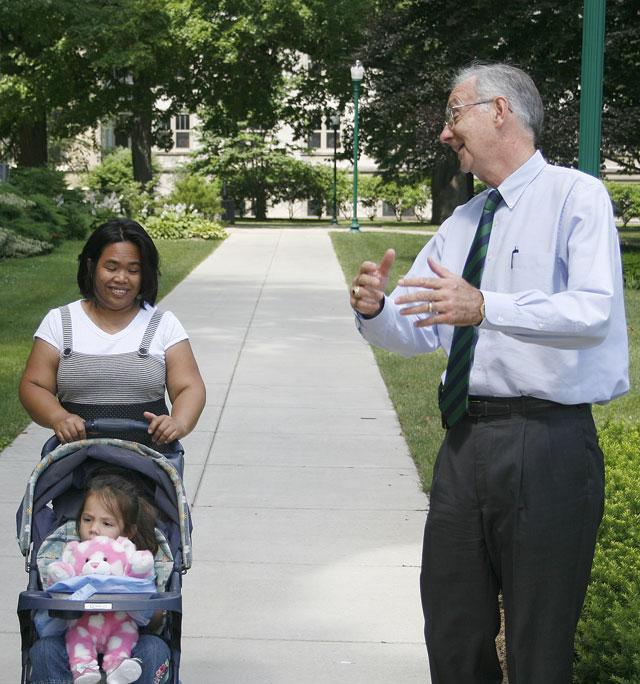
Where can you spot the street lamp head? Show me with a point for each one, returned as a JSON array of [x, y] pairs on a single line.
[[357, 71], [334, 120]]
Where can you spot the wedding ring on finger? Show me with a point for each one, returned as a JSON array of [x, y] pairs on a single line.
[[355, 291], [430, 307]]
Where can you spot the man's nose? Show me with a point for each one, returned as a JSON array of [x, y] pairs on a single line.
[[446, 135]]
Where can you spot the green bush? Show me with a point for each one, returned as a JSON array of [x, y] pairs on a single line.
[[14, 245], [171, 225], [199, 193], [114, 188], [608, 636], [36, 203], [626, 197], [36, 217], [38, 181]]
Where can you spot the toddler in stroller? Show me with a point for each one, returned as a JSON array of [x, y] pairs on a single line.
[[76, 493]]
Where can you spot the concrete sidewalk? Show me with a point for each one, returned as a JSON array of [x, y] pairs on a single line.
[[307, 510]]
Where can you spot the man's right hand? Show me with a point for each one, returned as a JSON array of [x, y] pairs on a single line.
[[367, 288]]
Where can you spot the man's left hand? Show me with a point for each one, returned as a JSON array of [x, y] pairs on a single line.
[[447, 298]]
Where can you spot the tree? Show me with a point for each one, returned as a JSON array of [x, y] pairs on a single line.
[[255, 167], [370, 192], [197, 192], [31, 59], [404, 196], [626, 198], [71, 63], [414, 47]]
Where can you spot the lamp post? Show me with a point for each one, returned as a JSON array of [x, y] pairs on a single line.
[[334, 120], [357, 72]]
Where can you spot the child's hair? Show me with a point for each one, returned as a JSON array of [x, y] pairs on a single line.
[[122, 498]]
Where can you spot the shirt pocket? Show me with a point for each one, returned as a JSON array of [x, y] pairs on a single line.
[[532, 270]]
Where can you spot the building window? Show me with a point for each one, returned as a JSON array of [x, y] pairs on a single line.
[[314, 139], [183, 131], [330, 139]]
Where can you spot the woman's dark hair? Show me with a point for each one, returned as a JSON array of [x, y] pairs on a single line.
[[120, 230], [123, 500]]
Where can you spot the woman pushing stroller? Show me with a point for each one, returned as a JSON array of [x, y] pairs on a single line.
[[113, 354]]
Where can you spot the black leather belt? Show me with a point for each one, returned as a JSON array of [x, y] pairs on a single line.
[[487, 407]]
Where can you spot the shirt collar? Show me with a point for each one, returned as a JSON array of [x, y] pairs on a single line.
[[514, 185]]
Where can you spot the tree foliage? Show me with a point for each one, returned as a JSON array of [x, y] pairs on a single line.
[[253, 166], [626, 200], [415, 46]]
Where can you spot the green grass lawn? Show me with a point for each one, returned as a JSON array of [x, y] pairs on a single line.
[[30, 287], [412, 383]]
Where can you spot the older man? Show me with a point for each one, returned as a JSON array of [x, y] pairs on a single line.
[[522, 287]]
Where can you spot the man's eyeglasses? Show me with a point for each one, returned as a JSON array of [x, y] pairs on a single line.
[[450, 118]]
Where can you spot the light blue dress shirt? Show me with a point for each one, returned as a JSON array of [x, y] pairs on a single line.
[[555, 325]]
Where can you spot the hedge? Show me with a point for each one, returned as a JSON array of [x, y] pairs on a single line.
[[608, 636], [172, 226]]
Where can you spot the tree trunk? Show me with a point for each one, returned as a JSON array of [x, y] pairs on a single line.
[[141, 142], [449, 188], [32, 144], [261, 206]]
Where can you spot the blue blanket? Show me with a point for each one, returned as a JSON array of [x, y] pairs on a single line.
[[82, 587]]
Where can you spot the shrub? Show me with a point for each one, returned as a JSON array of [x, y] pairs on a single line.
[[179, 225], [608, 636], [14, 245], [199, 193], [38, 181], [626, 199], [115, 191], [36, 203]]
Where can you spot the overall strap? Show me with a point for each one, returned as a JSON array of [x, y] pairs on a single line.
[[67, 334], [152, 326]]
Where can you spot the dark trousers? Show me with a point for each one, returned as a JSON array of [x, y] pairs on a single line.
[[515, 506]]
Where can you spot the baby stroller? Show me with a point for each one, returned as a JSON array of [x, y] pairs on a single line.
[[51, 506]]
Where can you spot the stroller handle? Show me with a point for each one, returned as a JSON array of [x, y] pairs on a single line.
[[109, 427], [103, 427]]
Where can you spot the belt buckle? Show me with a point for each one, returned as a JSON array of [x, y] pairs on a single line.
[[476, 408]]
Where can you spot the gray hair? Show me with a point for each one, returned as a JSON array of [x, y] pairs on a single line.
[[493, 80]]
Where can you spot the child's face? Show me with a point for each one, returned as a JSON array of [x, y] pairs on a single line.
[[97, 520]]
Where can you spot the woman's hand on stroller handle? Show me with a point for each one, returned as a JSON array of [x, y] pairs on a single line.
[[164, 429], [69, 428]]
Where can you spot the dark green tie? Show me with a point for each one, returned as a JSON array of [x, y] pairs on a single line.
[[455, 392]]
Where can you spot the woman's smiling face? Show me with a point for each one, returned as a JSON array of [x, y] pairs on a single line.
[[118, 276]]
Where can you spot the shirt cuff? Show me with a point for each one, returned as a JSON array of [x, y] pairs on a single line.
[[498, 310]]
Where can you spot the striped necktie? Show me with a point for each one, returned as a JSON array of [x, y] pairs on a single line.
[[455, 391]]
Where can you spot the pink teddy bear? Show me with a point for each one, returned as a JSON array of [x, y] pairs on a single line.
[[113, 634]]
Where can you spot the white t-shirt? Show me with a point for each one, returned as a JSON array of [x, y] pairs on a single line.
[[88, 338]]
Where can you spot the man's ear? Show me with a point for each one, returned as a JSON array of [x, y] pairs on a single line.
[[501, 107]]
